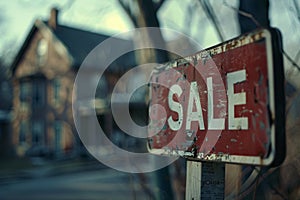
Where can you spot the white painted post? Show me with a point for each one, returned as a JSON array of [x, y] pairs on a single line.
[[205, 180], [193, 180]]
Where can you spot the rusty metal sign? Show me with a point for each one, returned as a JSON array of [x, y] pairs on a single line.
[[225, 103]]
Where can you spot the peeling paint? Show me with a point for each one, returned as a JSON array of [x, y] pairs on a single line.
[[233, 140]]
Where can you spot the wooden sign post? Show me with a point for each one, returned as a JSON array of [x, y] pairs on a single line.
[[221, 105], [205, 180]]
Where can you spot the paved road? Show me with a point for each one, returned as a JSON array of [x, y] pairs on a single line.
[[100, 184]]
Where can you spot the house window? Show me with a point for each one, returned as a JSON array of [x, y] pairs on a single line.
[[24, 129], [56, 90], [38, 94], [38, 133], [102, 87], [57, 132], [25, 91], [41, 51]]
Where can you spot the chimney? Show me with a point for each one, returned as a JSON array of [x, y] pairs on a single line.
[[53, 18]]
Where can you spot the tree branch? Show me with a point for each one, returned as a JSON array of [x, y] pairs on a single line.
[[245, 14], [127, 10], [297, 9], [211, 14], [158, 5], [294, 64]]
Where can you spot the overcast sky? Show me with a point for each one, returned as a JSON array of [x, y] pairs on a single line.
[[17, 17]]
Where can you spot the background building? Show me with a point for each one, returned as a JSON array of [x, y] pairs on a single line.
[[43, 75]]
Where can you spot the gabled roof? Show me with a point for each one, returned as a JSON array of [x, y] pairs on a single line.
[[20, 54], [79, 43]]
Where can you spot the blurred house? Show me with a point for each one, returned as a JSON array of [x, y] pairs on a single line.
[[43, 75]]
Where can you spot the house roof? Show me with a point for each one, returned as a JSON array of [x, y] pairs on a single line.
[[23, 48], [80, 43]]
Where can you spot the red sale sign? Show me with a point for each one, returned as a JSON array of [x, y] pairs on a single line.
[[225, 103]]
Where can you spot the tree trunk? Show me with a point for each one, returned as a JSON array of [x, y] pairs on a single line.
[[253, 14]]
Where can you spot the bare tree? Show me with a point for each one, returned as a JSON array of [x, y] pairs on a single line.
[[144, 14], [250, 15]]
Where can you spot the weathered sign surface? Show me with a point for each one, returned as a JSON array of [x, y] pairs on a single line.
[[225, 103]]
